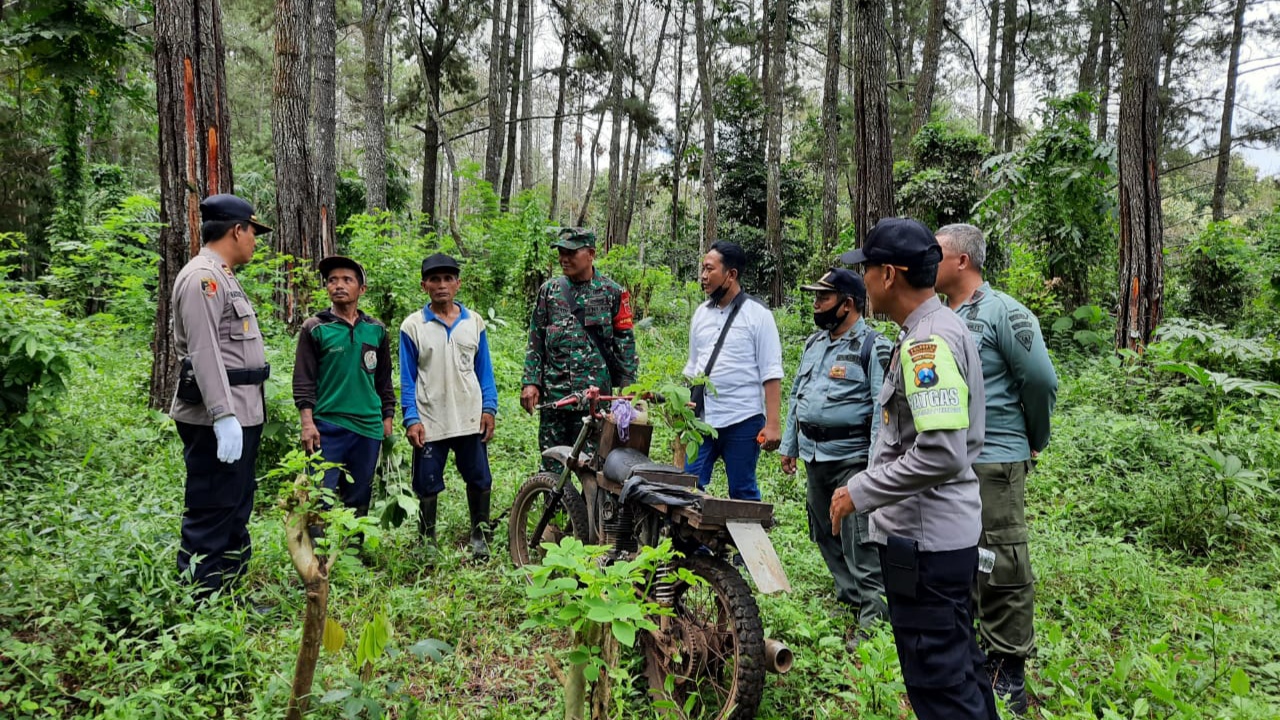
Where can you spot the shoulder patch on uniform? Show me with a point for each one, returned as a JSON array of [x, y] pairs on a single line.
[[624, 320], [936, 391], [209, 286]]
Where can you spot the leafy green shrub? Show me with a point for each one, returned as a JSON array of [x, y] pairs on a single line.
[[1086, 329], [36, 345], [1055, 195], [939, 184], [1215, 268], [110, 266]]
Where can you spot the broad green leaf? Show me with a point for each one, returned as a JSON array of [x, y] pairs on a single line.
[[336, 695], [434, 649], [624, 632], [1239, 683], [334, 636]]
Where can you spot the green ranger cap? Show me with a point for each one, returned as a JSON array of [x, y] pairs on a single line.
[[574, 238]]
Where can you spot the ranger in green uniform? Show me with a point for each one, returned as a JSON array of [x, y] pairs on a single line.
[[1021, 388], [580, 335], [920, 487], [831, 419]]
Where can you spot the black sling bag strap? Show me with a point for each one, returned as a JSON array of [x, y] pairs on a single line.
[[616, 376], [698, 393]]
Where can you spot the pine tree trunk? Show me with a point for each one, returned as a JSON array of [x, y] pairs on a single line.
[[850, 172], [615, 125], [194, 152], [872, 143], [1006, 125], [497, 93], [989, 94], [677, 173], [297, 225], [325, 119], [773, 154], [709, 219], [591, 182], [831, 130], [929, 65], [557, 123], [1104, 70], [517, 61], [1141, 221], [1219, 201], [375, 14], [526, 103]]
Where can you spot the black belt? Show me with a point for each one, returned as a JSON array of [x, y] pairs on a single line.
[[827, 433], [249, 376]]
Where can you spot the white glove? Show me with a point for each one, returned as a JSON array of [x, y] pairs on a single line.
[[230, 438]]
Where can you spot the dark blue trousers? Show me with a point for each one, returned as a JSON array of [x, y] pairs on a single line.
[[737, 444], [219, 499], [470, 454], [358, 456], [930, 600]]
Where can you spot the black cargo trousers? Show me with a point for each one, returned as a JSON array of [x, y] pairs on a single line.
[[930, 596]]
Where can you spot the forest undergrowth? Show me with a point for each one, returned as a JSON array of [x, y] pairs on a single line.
[[1156, 577]]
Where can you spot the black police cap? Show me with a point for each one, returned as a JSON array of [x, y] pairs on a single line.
[[897, 241], [230, 208]]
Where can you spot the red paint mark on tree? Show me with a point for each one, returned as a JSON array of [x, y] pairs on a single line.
[[192, 153], [213, 185]]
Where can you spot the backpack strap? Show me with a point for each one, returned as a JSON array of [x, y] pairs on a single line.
[[868, 346]]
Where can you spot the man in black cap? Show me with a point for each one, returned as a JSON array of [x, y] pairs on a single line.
[[342, 384], [831, 420], [449, 399], [580, 335], [920, 487], [218, 405]]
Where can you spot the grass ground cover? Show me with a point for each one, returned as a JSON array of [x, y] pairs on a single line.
[[1138, 615]]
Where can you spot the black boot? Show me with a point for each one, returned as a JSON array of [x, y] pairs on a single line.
[[478, 504], [427, 505], [1009, 680], [358, 540]]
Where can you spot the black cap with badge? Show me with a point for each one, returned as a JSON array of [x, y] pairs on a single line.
[[842, 281], [333, 262], [897, 241], [229, 208]]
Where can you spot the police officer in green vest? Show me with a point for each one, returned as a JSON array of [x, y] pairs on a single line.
[[831, 420], [1021, 387]]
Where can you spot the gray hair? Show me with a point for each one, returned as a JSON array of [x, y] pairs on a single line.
[[966, 239]]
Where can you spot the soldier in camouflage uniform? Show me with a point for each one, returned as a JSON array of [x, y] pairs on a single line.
[[580, 335]]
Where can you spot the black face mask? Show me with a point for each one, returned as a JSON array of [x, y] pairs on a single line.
[[829, 319], [718, 293]]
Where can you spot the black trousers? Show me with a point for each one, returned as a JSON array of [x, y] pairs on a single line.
[[219, 498], [930, 596]]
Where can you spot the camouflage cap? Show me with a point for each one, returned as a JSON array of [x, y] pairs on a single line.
[[574, 238]]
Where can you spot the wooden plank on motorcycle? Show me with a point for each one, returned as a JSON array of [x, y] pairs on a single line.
[[721, 510], [758, 554]]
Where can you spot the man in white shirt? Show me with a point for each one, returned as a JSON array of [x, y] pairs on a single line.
[[744, 404]]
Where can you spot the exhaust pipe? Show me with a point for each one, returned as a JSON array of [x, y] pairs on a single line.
[[778, 658]]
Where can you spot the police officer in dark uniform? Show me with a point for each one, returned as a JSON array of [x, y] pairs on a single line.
[[920, 487], [218, 405]]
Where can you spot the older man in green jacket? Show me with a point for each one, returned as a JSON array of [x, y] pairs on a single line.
[[1021, 387]]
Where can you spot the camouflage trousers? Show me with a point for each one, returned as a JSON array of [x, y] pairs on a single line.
[[560, 427]]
